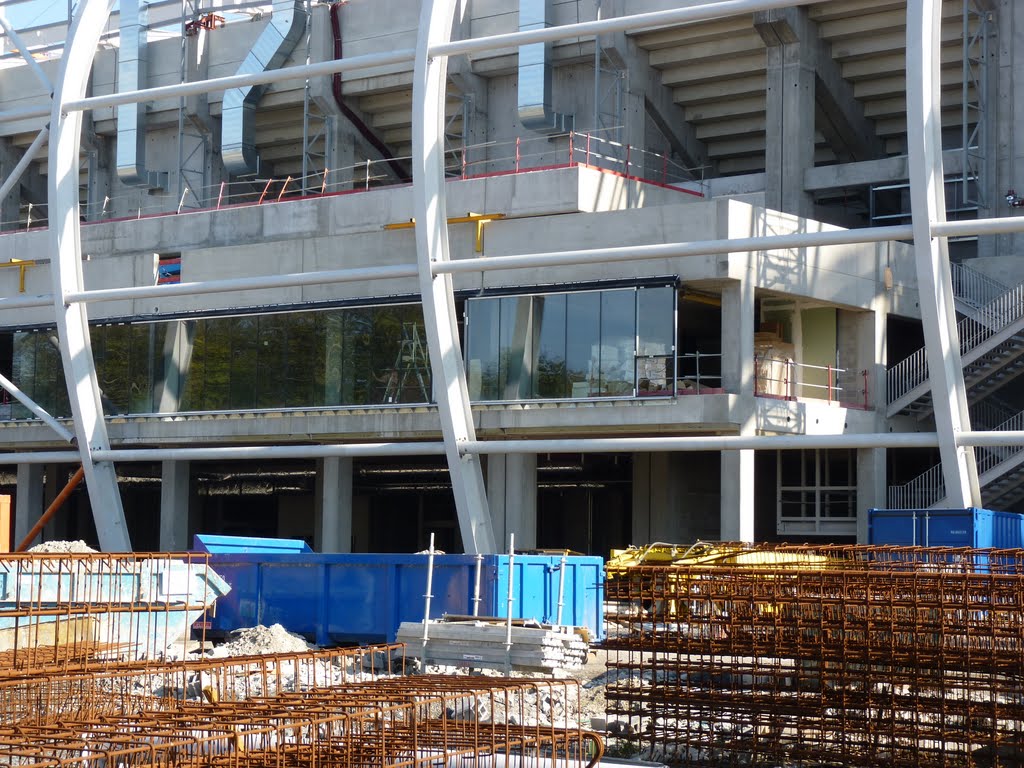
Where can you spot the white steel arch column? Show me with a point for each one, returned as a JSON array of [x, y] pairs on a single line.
[[931, 253], [66, 273], [448, 370]]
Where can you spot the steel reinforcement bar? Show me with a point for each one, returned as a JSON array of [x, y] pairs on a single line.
[[109, 689], [415, 722], [856, 655]]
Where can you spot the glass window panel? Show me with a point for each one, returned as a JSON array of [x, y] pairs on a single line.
[[515, 348], [271, 360], [582, 334], [618, 342], [656, 320], [550, 372], [244, 360], [302, 369], [337, 386], [482, 348], [216, 356]]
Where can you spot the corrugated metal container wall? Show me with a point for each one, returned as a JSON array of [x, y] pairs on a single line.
[[970, 527], [364, 597]]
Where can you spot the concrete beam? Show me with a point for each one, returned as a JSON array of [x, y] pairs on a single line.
[[868, 172]]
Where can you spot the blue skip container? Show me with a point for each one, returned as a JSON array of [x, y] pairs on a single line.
[[363, 598], [970, 527]]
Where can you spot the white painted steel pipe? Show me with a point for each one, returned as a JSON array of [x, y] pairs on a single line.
[[26, 160], [704, 12], [675, 250], [37, 409], [561, 589], [428, 595], [26, 54], [508, 605], [476, 584], [272, 452], [499, 447]]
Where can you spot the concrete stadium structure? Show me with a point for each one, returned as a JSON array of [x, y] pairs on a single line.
[[586, 271]]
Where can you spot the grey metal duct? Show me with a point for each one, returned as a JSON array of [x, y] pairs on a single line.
[[238, 117], [131, 118], [535, 112]]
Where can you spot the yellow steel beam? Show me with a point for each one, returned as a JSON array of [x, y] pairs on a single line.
[[480, 219], [22, 265]]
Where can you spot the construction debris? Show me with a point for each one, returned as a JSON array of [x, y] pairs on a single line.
[[490, 643], [261, 640], [826, 655], [62, 547]]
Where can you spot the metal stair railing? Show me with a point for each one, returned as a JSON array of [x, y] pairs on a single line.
[[995, 317], [920, 493], [928, 488], [974, 288]]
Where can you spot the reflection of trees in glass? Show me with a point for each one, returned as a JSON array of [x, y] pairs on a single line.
[[38, 372], [551, 377]]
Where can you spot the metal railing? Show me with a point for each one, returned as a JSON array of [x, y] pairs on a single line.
[[784, 378], [975, 288], [493, 158], [991, 319], [928, 488]]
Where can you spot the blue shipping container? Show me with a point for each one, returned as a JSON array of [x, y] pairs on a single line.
[[971, 527], [362, 598]]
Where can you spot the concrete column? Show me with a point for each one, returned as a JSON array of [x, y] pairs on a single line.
[[871, 487], [737, 467], [512, 496], [790, 108], [738, 338], [174, 505], [29, 502], [333, 529], [10, 204]]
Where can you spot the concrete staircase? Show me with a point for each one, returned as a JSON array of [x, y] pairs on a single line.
[[992, 351]]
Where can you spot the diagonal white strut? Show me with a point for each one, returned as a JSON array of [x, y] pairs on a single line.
[[66, 273], [931, 253], [447, 368]]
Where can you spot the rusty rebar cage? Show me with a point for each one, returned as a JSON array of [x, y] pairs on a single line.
[[416, 721], [894, 656], [63, 609], [110, 689]]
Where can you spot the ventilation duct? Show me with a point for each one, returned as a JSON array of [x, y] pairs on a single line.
[[131, 118], [535, 111], [238, 116]]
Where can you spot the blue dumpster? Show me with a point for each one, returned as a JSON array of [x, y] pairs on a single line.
[[362, 598], [970, 527]]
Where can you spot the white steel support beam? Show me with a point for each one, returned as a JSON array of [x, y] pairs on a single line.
[[448, 370], [66, 271], [931, 254]]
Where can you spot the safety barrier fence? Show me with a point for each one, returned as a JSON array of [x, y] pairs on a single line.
[[787, 379], [105, 688], [71, 608], [420, 721], [786, 655], [472, 161]]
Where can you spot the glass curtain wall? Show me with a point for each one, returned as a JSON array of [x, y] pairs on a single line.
[[610, 343], [350, 356]]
